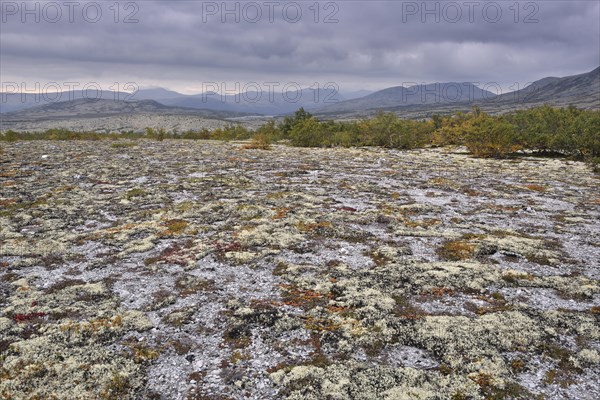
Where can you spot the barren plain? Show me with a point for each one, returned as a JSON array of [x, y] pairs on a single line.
[[201, 270]]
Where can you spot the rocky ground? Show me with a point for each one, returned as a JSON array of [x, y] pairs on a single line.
[[201, 270]]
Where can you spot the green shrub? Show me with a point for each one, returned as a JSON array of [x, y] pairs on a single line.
[[196, 135], [160, 136], [260, 141], [378, 131], [343, 138], [290, 121], [10, 136], [449, 131], [269, 130], [486, 136], [307, 133], [231, 132], [587, 141]]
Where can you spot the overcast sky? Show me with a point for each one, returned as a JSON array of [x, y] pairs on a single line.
[[184, 45]]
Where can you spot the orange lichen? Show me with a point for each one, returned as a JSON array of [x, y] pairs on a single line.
[[281, 212], [295, 297]]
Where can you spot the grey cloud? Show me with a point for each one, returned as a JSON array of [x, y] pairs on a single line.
[[370, 47]]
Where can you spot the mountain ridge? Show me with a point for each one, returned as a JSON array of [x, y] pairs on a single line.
[[581, 90], [89, 108]]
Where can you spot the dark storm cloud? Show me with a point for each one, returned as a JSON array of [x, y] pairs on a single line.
[[374, 44]]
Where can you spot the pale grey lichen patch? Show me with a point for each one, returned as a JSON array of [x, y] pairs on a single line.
[[356, 381], [546, 299], [462, 342], [409, 356], [62, 344]]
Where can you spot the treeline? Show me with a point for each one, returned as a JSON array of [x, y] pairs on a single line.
[[545, 130], [230, 132]]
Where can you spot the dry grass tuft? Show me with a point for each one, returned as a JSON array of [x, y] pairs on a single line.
[[456, 250], [536, 188], [259, 142]]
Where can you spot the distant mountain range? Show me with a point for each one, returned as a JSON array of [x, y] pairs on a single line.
[[257, 103], [97, 108], [260, 103], [580, 90], [398, 96], [11, 102], [413, 101]]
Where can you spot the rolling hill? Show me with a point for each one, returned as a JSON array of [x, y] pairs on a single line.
[[88, 108]]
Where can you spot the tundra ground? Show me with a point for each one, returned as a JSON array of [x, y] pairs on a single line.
[[202, 270]]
